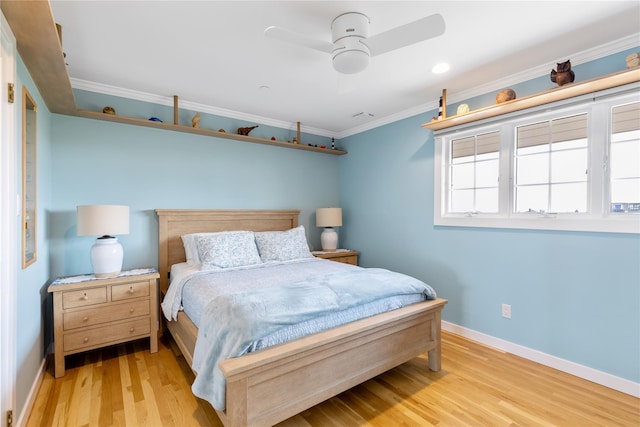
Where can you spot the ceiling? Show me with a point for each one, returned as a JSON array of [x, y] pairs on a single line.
[[215, 57]]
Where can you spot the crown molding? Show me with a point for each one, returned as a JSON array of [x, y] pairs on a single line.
[[194, 106], [532, 73]]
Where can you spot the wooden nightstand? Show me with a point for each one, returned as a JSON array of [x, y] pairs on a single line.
[[90, 313], [344, 256]]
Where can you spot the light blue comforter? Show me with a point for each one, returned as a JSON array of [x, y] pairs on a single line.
[[232, 322]]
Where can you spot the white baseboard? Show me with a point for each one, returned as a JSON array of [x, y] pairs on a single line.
[[35, 388], [590, 374]]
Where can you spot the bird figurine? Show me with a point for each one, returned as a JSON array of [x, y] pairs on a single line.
[[564, 73], [245, 131]]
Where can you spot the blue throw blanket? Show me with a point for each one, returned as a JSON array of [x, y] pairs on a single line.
[[232, 322]]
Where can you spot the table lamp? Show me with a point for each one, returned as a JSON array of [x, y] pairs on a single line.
[[104, 221], [329, 218]]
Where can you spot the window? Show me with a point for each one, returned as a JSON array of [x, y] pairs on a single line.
[[625, 152], [551, 164], [574, 165], [473, 173]]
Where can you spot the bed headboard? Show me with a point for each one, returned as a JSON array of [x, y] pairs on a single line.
[[173, 223]]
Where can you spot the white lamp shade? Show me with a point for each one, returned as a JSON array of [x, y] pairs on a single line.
[[328, 217], [102, 220]]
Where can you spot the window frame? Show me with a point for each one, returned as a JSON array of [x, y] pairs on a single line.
[[598, 106]]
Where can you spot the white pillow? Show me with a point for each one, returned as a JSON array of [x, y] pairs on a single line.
[[225, 250], [283, 245], [191, 247]]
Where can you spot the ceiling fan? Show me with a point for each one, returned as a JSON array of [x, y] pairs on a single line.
[[352, 48]]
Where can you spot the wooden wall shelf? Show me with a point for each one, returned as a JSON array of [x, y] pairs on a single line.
[[570, 90], [40, 48], [199, 131]]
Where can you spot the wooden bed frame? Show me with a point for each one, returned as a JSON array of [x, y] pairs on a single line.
[[271, 385]]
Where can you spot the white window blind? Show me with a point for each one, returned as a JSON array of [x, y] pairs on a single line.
[[553, 131], [477, 144], [626, 118]]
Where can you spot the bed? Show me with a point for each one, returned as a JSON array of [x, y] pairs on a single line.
[[273, 384]]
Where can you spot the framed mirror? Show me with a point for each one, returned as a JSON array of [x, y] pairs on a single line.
[[29, 187]]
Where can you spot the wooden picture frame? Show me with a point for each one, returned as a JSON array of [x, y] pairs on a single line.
[[29, 179]]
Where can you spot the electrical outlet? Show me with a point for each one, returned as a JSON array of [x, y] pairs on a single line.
[[506, 311]]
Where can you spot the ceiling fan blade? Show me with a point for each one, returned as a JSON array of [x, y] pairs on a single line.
[[408, 34], [289, 36]]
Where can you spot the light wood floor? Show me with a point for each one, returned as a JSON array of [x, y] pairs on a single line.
[[125, 385]]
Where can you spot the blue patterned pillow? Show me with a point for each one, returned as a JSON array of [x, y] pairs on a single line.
[[230, 249], [283, 245]]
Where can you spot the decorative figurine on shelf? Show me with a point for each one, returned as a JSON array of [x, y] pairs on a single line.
[[633, 60], [109, 110], [245, 131], [564, 73], [273, 138], [195, 121], [333, 143], [442, 107], [462, 109], [295, 140], [505, 95], [155, 119], [221, 130]]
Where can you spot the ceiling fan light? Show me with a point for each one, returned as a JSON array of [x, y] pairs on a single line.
[[351, 61]]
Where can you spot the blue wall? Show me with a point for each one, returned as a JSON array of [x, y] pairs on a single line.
[[99, 162], [575, 296], [33, 314]]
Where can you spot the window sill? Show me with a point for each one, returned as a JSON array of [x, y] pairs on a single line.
[[626, 224]]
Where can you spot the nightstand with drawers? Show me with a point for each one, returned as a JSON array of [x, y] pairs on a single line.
[[341, 255], [90, 313]]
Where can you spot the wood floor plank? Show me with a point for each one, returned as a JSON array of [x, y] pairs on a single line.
[[126, 385]]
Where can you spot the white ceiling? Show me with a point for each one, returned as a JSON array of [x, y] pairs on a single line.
[[214, 55]]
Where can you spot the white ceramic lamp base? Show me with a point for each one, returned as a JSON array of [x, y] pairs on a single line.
[[329, 240], [106, 257]]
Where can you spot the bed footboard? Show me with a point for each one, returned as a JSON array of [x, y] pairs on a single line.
[[267, 387]]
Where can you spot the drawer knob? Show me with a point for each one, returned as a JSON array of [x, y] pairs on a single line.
[[131, 329], [130, 289], [85, 318], [86, 339], [85, 296], [131, 310]]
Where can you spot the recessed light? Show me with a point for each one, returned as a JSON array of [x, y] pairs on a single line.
[[440, 68]]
